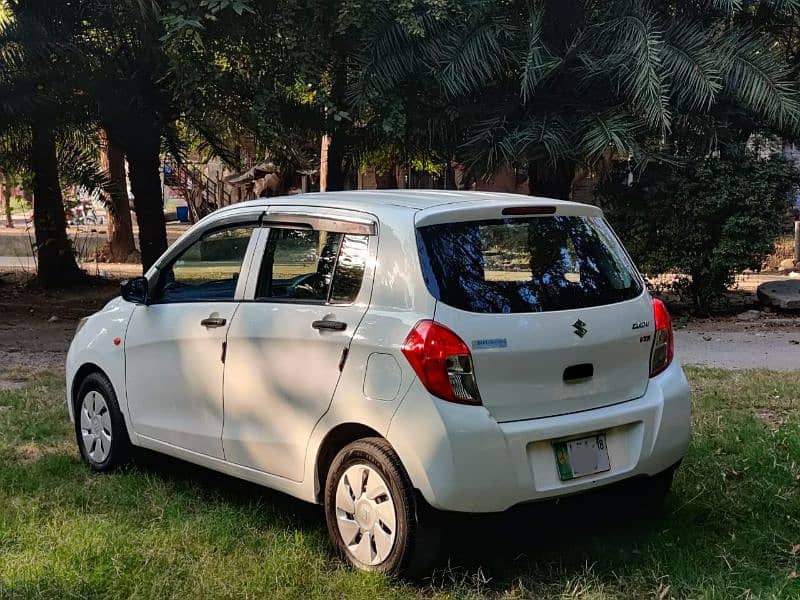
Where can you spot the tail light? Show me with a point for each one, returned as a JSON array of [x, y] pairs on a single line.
[[663, 340], [443, 362]]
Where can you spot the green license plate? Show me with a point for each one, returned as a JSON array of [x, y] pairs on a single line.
[[581, 457]]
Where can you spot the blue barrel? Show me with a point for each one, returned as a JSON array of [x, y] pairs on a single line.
[[182, 212]]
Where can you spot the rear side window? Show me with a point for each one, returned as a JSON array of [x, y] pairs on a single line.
[[349, 269], [526, 265], [310, 266]]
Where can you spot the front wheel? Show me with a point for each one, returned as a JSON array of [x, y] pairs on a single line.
[[371, 509], [99, 425]]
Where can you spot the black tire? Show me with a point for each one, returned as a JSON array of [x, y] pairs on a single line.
[[120, 451], [414, 546], [650, 493]]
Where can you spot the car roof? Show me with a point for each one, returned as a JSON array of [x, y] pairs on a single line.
[[374, 200]]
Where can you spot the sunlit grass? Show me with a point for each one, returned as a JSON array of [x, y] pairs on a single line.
[[165, 529]]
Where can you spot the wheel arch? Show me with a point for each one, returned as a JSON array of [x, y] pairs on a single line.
[[336, 439], [81, 374]]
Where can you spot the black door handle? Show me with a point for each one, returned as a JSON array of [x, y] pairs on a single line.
[[329, 325], [213, 322]]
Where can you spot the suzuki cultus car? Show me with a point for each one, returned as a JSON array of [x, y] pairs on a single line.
[[382, 352]]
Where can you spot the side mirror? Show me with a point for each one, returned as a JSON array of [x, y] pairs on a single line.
[[135, 290]]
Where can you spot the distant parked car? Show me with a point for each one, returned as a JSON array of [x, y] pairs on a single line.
[[377, 352]]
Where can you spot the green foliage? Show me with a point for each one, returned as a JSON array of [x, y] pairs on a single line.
[[621, 77], [704, 220], [42, 73]]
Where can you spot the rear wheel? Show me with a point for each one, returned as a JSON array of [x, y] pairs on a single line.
[[652, 492], [371, 509], [99, 426]]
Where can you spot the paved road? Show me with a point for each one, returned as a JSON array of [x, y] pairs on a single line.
[[740, 349]]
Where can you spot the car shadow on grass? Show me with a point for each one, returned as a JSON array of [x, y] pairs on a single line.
[[496, 544], [233, 490]]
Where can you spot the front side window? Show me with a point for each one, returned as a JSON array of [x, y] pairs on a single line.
[[305, 265], [526, 265], [208, 270]]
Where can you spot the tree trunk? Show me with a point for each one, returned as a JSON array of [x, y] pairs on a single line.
[[387, 181], [450, 176], [335, 168], [120, 225], [323, 163], [5, 197], [148, 202], [56, 263], [336, 172]]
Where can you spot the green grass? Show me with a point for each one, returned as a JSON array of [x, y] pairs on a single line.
[[165, 529], [20, 206]]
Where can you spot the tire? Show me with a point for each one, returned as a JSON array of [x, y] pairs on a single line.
[[652, 492], [383, 532], [100, 430]]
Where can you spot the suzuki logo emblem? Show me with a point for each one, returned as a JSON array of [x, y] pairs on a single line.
[[580, 328]]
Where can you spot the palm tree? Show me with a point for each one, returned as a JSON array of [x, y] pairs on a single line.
[[36, 124], [554, 84], [75, 66], [135, 106], [120, 242]]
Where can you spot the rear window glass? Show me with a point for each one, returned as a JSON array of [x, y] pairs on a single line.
[[526, 265]]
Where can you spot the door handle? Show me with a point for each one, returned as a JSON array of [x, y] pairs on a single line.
[[325, 324], [213, 322]]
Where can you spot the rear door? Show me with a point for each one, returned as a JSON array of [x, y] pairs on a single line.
[[290, 338], [554, 312]]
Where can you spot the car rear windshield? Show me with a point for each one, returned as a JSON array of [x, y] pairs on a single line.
[[532, 264]]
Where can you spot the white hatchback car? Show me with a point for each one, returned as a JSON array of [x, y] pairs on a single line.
[[379, 352]]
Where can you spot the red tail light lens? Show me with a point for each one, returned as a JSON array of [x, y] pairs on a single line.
[[663, 340], [442, 361]]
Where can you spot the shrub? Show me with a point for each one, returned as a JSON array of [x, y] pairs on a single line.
[[705, 220]]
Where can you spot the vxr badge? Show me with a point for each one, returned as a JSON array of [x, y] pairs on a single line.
[[580, 328]]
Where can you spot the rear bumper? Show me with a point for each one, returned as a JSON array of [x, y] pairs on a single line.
[[463, 460]]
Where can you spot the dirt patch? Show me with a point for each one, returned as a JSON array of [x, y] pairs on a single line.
[[12, 379], [38, 324], [30, 453], [766, 322], [774, 419]]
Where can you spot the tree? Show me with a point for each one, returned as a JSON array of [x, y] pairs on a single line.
[[705, 220], [282, 74], [120, 240], [33, 120], [127, 74], [5, 198], [551, 85]]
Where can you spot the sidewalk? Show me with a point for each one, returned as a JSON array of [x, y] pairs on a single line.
[[111, 270]]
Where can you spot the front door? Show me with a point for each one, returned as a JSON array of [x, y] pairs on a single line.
[[174, 346], [286, 346]]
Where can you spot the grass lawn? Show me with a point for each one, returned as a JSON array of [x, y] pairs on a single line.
[[161, 529]]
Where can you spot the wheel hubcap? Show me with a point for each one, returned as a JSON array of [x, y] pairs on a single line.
[[365, 514], [95, 426]]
